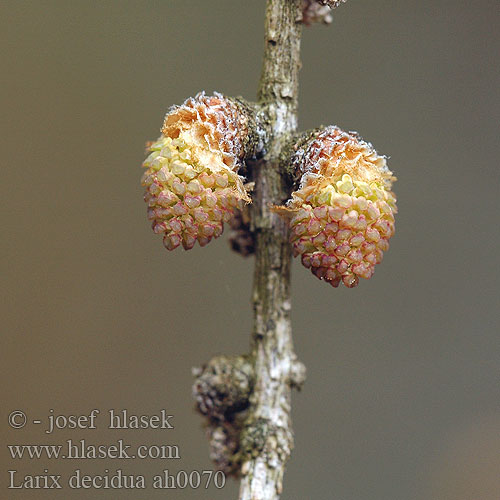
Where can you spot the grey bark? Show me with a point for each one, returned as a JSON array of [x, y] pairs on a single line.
[[267, 440], [247, 399]]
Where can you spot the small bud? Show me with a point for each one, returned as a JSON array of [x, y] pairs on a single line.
[[342, 214], [317, 11]]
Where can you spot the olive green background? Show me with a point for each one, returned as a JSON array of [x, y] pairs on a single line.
[[402, 399]]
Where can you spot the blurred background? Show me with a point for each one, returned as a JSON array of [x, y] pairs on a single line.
[[402, 399]]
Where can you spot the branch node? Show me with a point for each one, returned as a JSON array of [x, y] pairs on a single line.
[[223, 386], [222, 391], [297, 374], [271, 442]]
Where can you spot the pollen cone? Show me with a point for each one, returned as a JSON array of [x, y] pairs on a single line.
[[342, 214], [191, 178]]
